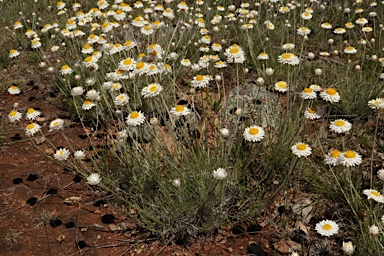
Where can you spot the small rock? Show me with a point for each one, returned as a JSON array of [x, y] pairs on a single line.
[[72, 200], [113, 227], [61, 238], [287, 246], [39, 140], [98, 226], [254, 249], [40, 119]]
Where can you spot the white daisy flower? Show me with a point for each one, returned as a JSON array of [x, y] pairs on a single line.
[[88, 104], [312, 113], [13, 53], [32, 128], [66, 70], [200, 81], [151, 90], [373, 230], [79, 154], [308, 94], [14, 116], [301, 149], [327, 228], [61, 154], [14, 90], [235, 54], [281, 86], [32, 114], [350, 158], [135, 118], [76, 91], [253, 133], [330, 94], [289, 58], [93, 179], [56, 124], [374, 195], [333, 157], [180, 110], [348, 248], [220, 174], [340, 126], [121, 99]]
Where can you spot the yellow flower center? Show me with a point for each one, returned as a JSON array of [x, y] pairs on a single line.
[[375, 193], [70, 22], [56, 123], [13, 87], [12, 51], [327, 24], [168, 10], [327, 227], [179, 108], [307, 14], [87, 102], [156, 22], [153, 88], [134, 115], [331, 91], [30, 126], [286, 56], [118, 12], [350, 154], [119, 72], [88, 59], [200, 20], [13, 113], [308, 90], [301, 146], [350, 48], [281, 84], [65, 67], [147, 27], [87, 46], [312, 110], [128, 62], [138, 18], [234, 49], [128, 43], [140, 65], [253, 131], [199, 78], [339, 123], [335, 153], [30, 110]]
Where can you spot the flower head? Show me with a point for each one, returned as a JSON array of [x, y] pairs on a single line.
[[312, 113], [330, 94], [350, 158], [32, 114], [180, 110], [289, 58], [32, 128], [200, 81], [254, 133], [348, 248], [333, 157], [235, 54], [281, 86], [14, 90], [56, 124], [135, 118], [220, 174], [93, 179], [308, 94], [61, 154], [340, 126], [327, 228], [14, 116], [79, 154], [151, 90], [13, 53], [374, 195], [301, 149]]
